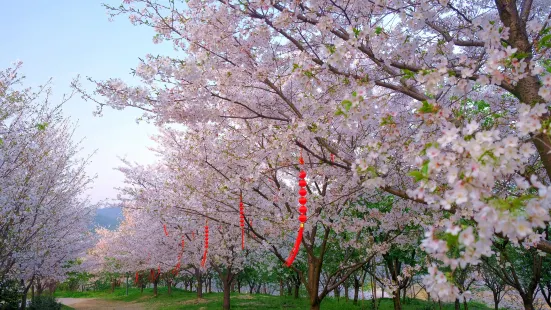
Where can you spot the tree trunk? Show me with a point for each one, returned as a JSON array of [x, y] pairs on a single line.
[[127, 283], [396, 300], [346, 292], [314, 270], [280, 287], [496, 300], [199, 279], [289, 289], [210, 285], [465, 304], [155, 282], [337, 292], [39, 287], [457, 304], [528, 305], [169, 285], [356, 290], [239, 287], [226, 283], [112, 285], [25, 291]]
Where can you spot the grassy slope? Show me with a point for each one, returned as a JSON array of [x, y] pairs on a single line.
[[187, 300]]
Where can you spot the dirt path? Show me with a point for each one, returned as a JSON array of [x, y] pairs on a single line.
[[99, 304]]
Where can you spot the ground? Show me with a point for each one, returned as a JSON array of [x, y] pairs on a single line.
[[188, 300]]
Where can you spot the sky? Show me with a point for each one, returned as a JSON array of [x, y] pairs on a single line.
[[64, 38]]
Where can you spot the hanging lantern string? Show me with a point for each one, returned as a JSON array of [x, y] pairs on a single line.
[[302, 210], [204, 260], [177, 268], [137, 280], [242, 220], [166, 231]]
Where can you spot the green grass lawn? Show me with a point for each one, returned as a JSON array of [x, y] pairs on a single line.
[[187, 300]]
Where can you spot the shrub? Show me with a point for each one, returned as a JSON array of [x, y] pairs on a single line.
[[9, 295], [45, 303]]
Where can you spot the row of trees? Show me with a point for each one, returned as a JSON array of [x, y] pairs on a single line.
[[424, 126], [44, 216]]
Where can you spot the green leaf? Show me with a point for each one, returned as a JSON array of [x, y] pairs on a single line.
[[379, 30], [347, 104], [417, 175]]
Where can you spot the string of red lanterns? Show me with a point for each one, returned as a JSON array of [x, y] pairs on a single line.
[[302, 210], [242, 220], [166, 231], [177, 268], [204, 260]]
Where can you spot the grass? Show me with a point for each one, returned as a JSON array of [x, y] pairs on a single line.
[[187, 300]]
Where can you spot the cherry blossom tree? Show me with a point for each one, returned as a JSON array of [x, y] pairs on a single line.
[[440, 103], [44, 213]]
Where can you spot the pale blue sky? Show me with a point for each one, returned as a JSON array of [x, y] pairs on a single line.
[[64, 38]]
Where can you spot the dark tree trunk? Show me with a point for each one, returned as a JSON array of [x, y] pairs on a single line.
[[155, 282], [297, 287], [457, 304], [337, 292], [496, 300], [169, 285], [314, 270], [210, 285], [226, 302], [346, 292], [24, 294], [280, 287], [356, 290], [39, 287], [396, 300], [465, 304], [528, 303], [199, 280]]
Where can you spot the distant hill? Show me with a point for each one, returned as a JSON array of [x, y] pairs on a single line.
[[109, 218]]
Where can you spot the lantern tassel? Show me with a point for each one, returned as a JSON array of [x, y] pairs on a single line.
[[204, 260], [296, 248]]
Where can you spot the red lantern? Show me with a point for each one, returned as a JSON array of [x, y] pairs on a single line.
[[302, 217], [166, 231]]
